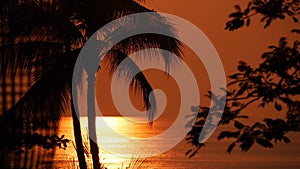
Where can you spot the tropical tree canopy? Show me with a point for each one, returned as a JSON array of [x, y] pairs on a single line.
[[42, 39], [274, 82], [49, 31]]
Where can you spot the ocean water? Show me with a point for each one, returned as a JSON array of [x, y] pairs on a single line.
[[213, 156]]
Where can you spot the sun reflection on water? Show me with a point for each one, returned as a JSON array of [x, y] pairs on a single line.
[[120, 125], [212, 156]]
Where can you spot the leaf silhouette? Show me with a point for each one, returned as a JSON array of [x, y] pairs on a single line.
[[278, 106], [189, 151], [295, 31], [193, 154], [286, 140], [230, 147], [238, 125], [295, 20], [248, 22], [265, 143]]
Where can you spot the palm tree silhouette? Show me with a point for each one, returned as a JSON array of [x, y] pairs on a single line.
[[49, 35]]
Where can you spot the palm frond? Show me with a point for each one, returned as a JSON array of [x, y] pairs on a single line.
[[138, 42], [43, 35], [153, 42], [8, 5], [139, 83], [25, 56], [43, 23], [48, 99]]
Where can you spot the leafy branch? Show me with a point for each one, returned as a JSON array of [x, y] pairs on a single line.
[[270, 10], [274, 82]]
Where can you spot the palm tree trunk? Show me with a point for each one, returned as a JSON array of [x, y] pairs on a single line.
[[75, 116], [92, 122], [77, 127], [78, 139]]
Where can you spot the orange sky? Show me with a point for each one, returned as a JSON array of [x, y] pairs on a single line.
[[210, 16]]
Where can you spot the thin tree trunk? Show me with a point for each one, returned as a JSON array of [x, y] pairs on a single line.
[[78, 139], [92, 122], [75, 116]]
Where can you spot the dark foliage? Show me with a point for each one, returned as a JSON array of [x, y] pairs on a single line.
[[47, 46], [270, 10], [275, 82]]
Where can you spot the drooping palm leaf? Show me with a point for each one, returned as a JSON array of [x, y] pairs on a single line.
[[131, 71], [24, 56], [47, 30], [43, 35], [116, 9], [49, 97], [55, 29]]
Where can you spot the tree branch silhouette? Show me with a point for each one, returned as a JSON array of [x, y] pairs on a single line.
[[275, 82]]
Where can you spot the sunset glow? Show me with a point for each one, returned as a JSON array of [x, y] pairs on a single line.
[[150, 84]]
